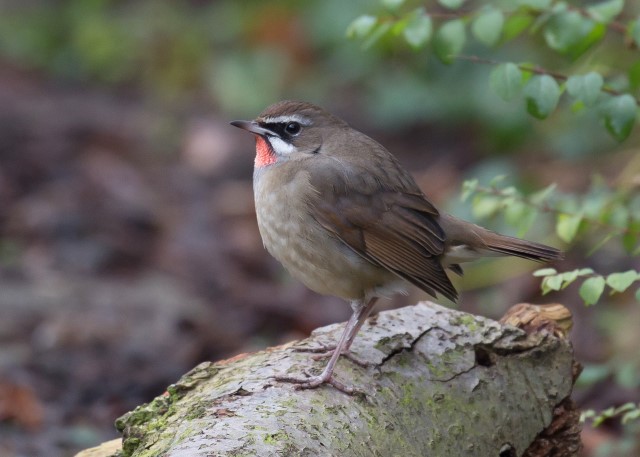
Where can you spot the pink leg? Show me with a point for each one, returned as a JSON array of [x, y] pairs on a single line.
[[360, 313], [326, 351]]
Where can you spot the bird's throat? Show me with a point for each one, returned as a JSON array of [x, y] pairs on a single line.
[[264, 153]]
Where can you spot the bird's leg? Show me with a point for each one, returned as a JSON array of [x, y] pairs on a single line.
[[360, 313], [326, 351], [366, 310]]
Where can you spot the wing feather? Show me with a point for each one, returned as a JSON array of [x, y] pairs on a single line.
[[375, 208], [395, 231]]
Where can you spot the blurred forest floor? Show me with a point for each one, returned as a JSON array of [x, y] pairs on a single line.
[[130, 253]]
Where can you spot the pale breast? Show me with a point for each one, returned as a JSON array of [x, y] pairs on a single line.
[[313, 256]]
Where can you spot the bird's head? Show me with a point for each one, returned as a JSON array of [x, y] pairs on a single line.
[[288, 130]]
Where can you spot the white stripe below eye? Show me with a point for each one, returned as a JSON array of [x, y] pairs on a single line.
[[281, 147], [285, 119]]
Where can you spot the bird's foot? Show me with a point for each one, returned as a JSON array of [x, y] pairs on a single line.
[[313, 381], [319, 349], [325, 351]]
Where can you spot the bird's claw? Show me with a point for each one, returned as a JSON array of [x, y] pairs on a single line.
[[325, 351], [322, 348], [312, 382]]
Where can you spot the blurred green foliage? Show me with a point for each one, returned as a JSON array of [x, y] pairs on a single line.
[[244, 55], [241, 55], [569, 30], [600, 214], [550, 54], [573, 53]]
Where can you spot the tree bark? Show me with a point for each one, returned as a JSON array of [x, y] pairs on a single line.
[[438, 382]]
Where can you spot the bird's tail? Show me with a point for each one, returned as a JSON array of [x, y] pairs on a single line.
[[467, 241], [531, 250]]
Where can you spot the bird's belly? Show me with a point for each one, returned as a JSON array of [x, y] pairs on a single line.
[[314, 256]]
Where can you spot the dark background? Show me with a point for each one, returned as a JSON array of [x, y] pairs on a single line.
[[129, 250]]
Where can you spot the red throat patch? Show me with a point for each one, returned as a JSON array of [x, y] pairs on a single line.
[[264, 153]]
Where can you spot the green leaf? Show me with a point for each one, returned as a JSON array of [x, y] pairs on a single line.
[[542, 94], [451, 4], [361, 26], [568, 32], [604, 415], [468, 188], [550, 283], [595, 35], [378, 32], [606, 11], [545, 272], [563, 30], [515, 25], [487, 26], [621, 281], [567, 226], [506, 80], [514, 211], [631, 416], [449, 40], [585, 88], [619, 114], [638, 295], [535, 4], [418, 30], [591, 290], [568, 277], [484, 206]]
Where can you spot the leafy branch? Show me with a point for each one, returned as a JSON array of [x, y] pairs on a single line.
[[597, 84], [592, 288], [629, 412], [588, 83], [568, 30], [601, 207]]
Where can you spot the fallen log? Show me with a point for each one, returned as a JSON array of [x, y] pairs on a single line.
[[437, 382]]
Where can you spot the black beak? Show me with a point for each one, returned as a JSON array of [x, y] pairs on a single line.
[[252, 126]]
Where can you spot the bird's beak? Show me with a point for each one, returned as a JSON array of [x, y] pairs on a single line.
[[252, 126]]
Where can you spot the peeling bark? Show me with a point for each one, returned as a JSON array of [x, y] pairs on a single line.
[[438, 383]]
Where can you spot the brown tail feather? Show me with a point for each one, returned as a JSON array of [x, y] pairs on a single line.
[[521, 248], [468, 241]]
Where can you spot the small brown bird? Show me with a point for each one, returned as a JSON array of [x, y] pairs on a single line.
[[342, 216]]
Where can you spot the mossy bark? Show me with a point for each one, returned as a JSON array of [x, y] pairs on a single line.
[[439, 383]]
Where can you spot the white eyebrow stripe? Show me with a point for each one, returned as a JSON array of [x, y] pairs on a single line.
[[289, 118]]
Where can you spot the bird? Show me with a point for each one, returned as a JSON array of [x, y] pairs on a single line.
[[341, 214]]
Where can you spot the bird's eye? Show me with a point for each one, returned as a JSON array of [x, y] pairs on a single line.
[[292, 128]]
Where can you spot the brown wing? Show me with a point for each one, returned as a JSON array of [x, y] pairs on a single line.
[[395, 230]]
